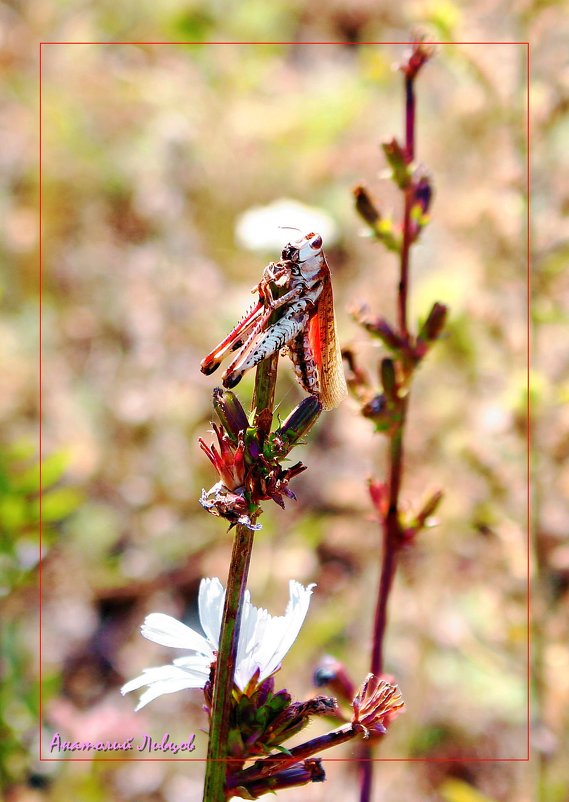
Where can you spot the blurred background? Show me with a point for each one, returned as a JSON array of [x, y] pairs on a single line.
[[152, 155]]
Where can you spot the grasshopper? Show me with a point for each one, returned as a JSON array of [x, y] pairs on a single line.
[[306, 328]]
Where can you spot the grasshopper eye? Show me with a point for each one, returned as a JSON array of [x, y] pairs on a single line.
[[290, 253], [316, 242]]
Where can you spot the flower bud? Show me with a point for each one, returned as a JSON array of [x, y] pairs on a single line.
[[333, 674], [429, 508], [379, 493], [397, 160], [416, 58], [230, 412], [423, 194], [309, 771], [384, 415], [300, 421], [375, 407], [386, 334], [365, 206], [434, 324], [388, 379]]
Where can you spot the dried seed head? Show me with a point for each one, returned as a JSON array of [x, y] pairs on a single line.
[[376, 705]]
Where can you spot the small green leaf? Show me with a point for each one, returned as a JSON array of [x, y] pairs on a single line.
[[52, 469], [282, 749], [57, 504], [13, 512]]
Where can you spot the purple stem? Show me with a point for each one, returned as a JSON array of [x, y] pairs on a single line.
[[390, 523]]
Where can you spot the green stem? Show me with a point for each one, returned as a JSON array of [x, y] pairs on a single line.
[[216, 767], [217, 763], [264, 394]]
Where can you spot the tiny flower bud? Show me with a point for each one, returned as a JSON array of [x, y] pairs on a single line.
[[386, 334], [379, 493], [357, 378], [300, 421], [365, 206], [385, 415], [301, 774], [375, 408], [429, 508], [423, 194], [397, 160], [388, 379], [416, 58], [434, 324], [333, 674], [230, 412], [309, 771]]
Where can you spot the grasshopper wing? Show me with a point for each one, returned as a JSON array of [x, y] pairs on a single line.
[[326, 350]]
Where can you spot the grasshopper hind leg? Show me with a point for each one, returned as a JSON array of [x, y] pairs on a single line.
[[234, 339], [276, 337]]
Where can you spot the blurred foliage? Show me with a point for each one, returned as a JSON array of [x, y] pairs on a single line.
[[22, 491], [20, 501], [150, 155]]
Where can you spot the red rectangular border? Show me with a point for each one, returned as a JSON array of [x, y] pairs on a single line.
[[528, 410]]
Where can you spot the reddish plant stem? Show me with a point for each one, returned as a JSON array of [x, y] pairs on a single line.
[[404, 274], [390, 524], [410, 118], [275, 763]]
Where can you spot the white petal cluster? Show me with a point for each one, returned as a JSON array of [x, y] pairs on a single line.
[[260, 228], [264, 640]]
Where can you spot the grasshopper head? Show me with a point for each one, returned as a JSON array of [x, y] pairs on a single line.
[[305, 248]]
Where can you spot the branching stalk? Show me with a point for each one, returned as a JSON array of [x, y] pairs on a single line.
[[273, 763], [392, 536]]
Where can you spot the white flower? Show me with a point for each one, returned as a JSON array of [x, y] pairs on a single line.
[[263, 641], [260, 228]]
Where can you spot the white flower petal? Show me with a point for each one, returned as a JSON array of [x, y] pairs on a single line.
[[161, 688], [249, 627], [165, 679], [282, 632], [168, 631], [197, 662], [211, 599]]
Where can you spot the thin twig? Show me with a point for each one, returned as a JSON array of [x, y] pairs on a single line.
[[390, 523], [273, 763]]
